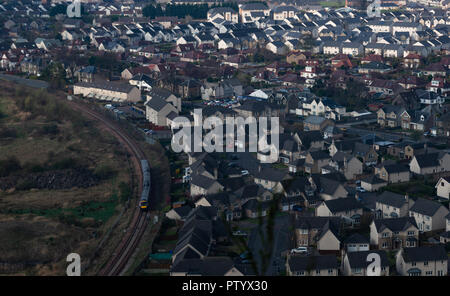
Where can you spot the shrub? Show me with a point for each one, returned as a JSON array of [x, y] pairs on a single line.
[[65, 163], [8, 133], [34, 167], [51, 129], [24, 185], [125, 191], [9, 166], [104, 172]]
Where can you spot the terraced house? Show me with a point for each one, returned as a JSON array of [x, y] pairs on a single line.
[[109, 91]]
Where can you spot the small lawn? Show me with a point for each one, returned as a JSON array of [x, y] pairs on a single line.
[[279, 166], [332, 4], [414, 189]]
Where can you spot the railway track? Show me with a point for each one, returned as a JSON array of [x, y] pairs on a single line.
[[137, 227]]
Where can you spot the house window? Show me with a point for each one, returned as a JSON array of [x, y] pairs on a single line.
[[330, 271], [411, 233], [317, 271], [385, 245], [429, 273], [413, 263], [425, 263]]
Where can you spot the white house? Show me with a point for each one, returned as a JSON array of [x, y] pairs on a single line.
[[277, 47], [331, 48], [352, 48], [443, 187]]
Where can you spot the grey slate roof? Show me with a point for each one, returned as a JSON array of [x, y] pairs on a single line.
[[342, 204], [297, 263], [426, 207], [373, 180], [183, 211], [156, 103], [359, 259], [396, 168], [118, 87], [202, 181], [208, 266], [270, 174], [392, 199], [254, 6], [428, 160], [357, 238], [421, 254], [395, 224], [320, 154]]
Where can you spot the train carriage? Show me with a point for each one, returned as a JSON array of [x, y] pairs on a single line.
[[146, 184]]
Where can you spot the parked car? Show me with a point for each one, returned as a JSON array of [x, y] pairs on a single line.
[[300, 250], [297, 208], [244, 255], [360, 189], [240, 233]]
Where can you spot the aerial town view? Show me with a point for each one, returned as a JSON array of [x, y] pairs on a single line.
[[159, 138]]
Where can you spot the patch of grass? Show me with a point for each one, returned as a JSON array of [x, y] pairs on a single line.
[[279, 166], [333, 4], [100, 211], [413, 188]]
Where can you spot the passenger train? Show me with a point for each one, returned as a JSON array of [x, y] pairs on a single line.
[[146, 185]]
